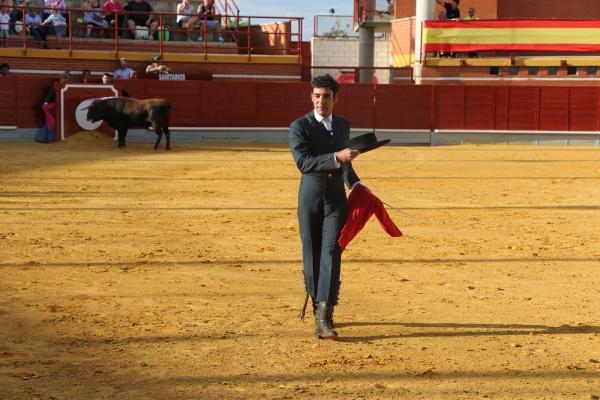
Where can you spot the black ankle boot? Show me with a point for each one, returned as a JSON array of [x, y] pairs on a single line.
[[329, 318], [323, 326]]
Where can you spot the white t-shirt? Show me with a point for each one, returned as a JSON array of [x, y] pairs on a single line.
[[188, 10], [4, 21]]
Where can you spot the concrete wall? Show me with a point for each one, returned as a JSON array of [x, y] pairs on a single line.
[[343, 52]]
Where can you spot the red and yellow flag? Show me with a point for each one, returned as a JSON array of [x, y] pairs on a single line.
[[536, 35]]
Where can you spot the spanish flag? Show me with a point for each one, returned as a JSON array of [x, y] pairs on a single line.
[[528, 35]]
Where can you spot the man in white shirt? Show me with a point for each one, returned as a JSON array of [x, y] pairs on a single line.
[[123, 71]]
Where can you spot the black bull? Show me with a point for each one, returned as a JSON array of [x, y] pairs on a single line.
[[122, 113]]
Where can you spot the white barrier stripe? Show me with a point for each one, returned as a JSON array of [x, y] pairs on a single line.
[[242, 76], [237, 76], [205, 128], [485, 78], [51, 71], [515, 132]]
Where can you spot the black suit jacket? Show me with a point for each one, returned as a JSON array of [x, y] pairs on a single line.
[[313, 147]]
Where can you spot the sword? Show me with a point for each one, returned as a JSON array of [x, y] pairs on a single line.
[[397, 209]]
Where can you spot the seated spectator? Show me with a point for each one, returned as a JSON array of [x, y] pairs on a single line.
[[111, 8], [107, 79], [139, 15], [185, 17], [207, 14], [94, 18], [57, 4], [452, 11], [33, 22], [156, 67], [58, 22], [17, 13], [4, 26], [4, 68], [123, 71]]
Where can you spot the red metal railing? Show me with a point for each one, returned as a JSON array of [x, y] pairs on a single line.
[[230, 11], [285, 38], [333, 26]]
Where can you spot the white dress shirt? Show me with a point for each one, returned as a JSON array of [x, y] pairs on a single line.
[[328, 122]]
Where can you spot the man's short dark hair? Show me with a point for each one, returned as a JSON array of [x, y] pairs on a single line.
[[325, 81], [456, 1]]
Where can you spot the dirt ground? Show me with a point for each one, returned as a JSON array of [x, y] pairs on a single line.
[[142, 274]]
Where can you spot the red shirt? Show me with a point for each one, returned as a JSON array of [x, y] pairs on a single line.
[[110, 6]]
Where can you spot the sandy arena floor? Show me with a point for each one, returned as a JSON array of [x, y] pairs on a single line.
[[142, 274]]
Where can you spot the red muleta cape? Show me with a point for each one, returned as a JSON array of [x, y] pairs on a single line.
[[361, 205]]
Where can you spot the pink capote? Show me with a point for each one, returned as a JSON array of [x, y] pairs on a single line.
[[49, 109], [361, 205]]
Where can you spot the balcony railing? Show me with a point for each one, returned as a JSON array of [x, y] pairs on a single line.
[[249, 35], [333, 26]]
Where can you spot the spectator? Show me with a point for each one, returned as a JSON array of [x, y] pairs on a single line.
[[185, 17], [208, 14], [59, 23], [156, 67], [86, 76], [123, 71], [4, 26], [4, 69], [111, 7], [452, 11], [471, 16], [106, 79], [17, 13], [140, 15], [57, 4], [33, 22], [94, 18]]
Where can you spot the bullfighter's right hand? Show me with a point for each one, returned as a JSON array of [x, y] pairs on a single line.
[[346, 155]]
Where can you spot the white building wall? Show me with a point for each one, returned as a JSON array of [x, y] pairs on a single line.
[[343, 52]]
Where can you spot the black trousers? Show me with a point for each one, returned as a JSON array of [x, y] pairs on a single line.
[[322, 207]]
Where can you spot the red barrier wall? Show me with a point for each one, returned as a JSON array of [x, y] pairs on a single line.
[[21, 100], [277, 104]]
